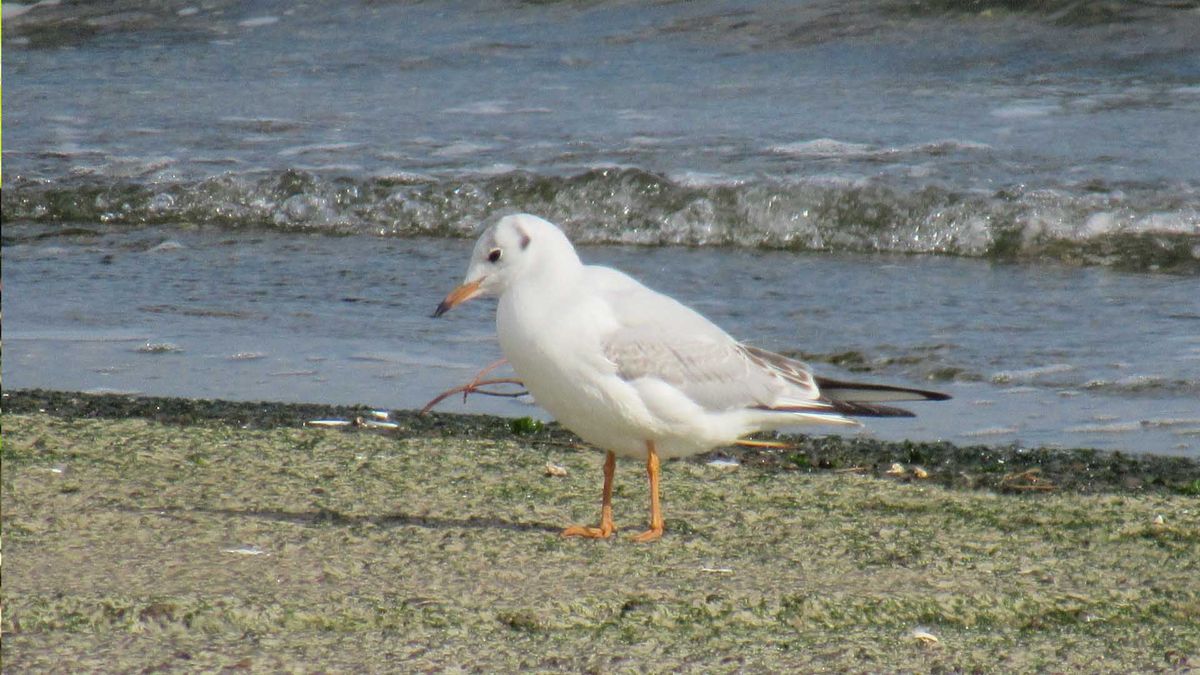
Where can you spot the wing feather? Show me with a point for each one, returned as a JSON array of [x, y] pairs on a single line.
[[716, 374], [657, 337]]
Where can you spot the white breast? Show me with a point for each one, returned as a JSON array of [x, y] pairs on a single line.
[[554, 345]]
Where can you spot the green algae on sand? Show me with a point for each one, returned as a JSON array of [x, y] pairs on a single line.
[[134, 542]]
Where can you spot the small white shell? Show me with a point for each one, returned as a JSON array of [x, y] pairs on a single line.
[[244, 550], [372, 424], [327, 423], [925, 637], [724, 463]]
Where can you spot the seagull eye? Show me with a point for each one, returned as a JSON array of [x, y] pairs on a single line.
[[494, 255]]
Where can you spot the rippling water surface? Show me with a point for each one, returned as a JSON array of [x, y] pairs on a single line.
[[175, 176], [1033, 355]]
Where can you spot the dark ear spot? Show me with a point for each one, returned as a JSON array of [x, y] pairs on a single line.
[[524, 240]]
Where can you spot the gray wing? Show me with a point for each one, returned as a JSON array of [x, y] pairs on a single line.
[[657, 337], [716, 375]]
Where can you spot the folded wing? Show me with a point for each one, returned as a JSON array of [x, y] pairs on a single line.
[[658, 337]]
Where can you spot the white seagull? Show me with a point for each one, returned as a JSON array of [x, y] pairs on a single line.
[[635, 372]]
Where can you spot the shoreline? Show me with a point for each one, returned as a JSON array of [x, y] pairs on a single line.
[[148, 535], [1000, 468]]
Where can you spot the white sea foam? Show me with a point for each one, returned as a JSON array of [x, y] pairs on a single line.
[[462, 148], [403, 176], [950, 144], [989, 431], [376, 357], [1185, 222], [330, 168], [1114, 428], [495, 107], [1129, 383], [496, 169], [13, 10], [831, 148], [247, 356], [318, 148], [1030, 374], [1172, 421], [645, 141], [262, 124], [255, 22], [167, 246], [631, 115], [822, 147], [701, 179], [133, 167], [480, 108], [1024, 110], [1098, 224]]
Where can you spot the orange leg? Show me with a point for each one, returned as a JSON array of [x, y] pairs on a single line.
[[656, 519], [607, 528]]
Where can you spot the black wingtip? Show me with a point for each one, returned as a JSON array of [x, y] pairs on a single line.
[[847, 408], [856, 409], [831, 387]]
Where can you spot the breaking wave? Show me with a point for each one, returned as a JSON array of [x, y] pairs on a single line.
[[1127, 227]]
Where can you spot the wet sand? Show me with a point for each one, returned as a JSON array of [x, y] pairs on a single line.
[[164, 534]]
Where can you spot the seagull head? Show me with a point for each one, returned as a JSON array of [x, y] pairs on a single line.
[[515, 248]]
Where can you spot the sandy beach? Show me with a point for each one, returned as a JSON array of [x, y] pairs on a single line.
[[167, 534]]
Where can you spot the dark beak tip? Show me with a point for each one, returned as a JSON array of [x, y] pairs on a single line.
[[442, 308]]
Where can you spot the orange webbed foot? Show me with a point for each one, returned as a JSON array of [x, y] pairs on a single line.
[[604, 531], [652, 534]]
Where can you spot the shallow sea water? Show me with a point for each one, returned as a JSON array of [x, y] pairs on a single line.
[[1032, 355]]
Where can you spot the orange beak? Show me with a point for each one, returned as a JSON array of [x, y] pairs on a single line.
[[458, 296]]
